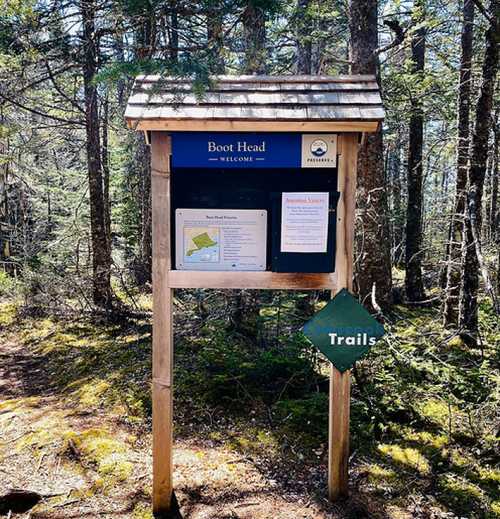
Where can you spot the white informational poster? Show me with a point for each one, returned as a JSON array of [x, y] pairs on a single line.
[[220, 239], [304, 222]]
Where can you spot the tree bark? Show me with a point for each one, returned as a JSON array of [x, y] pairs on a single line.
[[105, 170], [304, 43], [101, 259], [413, 252], [397, 209], [373, 265], [318, 56], [215, 38], [4, 203], [494, 218], [174, 32], [143, 158], [146, 48], [450, 309], [254, 35], [495, 209], [468, 308]]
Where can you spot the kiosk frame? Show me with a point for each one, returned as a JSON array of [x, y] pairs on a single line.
[[166, 279]]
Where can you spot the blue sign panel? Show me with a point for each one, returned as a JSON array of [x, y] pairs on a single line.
[[236, 150]]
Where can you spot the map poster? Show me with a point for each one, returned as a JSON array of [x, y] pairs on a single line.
[[304, 222], [220, 239]]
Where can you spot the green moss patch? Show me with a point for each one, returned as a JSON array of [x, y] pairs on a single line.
[[8, 313], [110, 456], [460, 495], [406, 457]]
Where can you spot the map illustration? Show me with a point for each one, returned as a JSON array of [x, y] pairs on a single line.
[[201, 244]]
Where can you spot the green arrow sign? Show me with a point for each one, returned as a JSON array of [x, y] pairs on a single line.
[[343, 330]]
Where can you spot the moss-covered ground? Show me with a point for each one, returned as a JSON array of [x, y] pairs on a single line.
[[251, 407]]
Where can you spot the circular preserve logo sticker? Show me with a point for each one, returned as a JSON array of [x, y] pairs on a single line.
[[319, 150], [319, 147]]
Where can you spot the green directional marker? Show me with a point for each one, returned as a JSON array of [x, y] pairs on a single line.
[[343, 330]]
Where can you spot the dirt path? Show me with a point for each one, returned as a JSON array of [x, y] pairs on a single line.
[[97, 465]]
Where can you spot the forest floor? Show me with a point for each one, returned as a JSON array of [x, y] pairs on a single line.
[[250, 422]]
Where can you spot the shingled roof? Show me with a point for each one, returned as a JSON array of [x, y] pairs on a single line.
[[170, 103]]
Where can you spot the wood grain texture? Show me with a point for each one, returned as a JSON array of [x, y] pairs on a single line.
[[338, 454], [340, 383], [162, 325], [255, 280], [200, 125]]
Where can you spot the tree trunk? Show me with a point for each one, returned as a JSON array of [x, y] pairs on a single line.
[[304, 43], [121, 83], [495, 209], [318, 57], [143, 158], [373, 266], [413, 253], [101, 260], [450, 310], [146, 34], [4, 206], [254, 35], [146, 47], [468, 308], [397, 209], [105, 171], [494, 221], [215, 38], [174, 32]]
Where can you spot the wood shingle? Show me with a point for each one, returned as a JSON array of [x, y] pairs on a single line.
[[309, 103]]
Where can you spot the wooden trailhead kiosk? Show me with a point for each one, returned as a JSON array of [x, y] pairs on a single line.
[[253, 187]]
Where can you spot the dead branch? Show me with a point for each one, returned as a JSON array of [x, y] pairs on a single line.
[[399, 36], [484, 11]]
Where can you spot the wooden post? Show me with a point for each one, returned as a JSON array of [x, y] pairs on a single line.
[[162, 325], [340, 383]]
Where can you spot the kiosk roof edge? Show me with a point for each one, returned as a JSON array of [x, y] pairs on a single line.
[[256, 103]]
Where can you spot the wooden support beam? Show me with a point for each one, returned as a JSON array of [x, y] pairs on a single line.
[[255, 280], [338, 433], [214, 125], [162, 325]]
